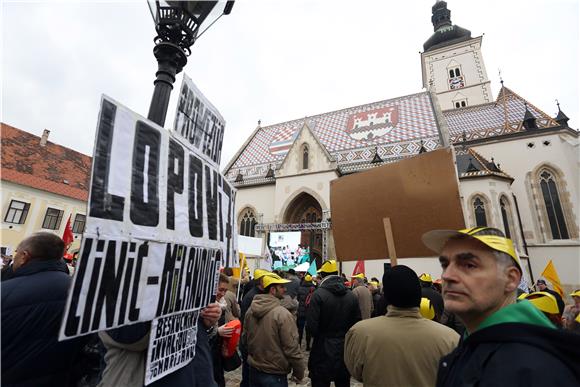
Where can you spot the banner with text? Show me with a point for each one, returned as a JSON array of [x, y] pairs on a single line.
[[160, 224], [199, 123]]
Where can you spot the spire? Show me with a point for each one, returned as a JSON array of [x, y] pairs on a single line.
[[270, 173], [239, 177], [561, 118], [376, 158], [441, 15], [471, 167], [445, 33], [529, 119], [422, 149]]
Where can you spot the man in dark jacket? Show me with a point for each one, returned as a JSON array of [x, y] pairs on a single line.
[[33, 301], [304, 292], [506, 343], [333, 310], [543, 287]]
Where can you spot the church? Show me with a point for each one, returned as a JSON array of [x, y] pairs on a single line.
[[518, 167]]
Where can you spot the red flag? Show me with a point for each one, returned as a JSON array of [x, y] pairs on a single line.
[[359, 267], [68, 236]]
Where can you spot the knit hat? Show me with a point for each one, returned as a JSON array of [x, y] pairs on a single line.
[[402, 288]]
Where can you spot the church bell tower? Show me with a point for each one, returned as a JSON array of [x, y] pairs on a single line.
[[452, 63]]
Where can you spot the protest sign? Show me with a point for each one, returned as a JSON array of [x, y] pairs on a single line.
[[417, 194], [199, 122], [160, 223]]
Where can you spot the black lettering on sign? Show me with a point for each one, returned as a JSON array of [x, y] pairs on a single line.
[[195, 196], [95, 274], [166, 279], [145, 176], [102, 204], [110, 284], [211, 197], [72, 321], [127, 285], [142, 253], [174, 180]]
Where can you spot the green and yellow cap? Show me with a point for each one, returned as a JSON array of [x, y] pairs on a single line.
[[436, 240], [544, 301]]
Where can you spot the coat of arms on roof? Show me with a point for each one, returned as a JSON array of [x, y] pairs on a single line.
[[373, 123], [283, 140]]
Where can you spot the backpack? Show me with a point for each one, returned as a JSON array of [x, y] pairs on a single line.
[[309, 296]]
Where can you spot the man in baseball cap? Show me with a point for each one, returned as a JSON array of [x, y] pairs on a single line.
[[481, 272]]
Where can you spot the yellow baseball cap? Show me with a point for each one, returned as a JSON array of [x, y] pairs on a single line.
[[436, 240], [307, 278], [359, 275], [328, 266], [272, 279], [523, 296], [425, 277], [575, 293], [544, 301], [374, 283], [259, 273], [426, 309]]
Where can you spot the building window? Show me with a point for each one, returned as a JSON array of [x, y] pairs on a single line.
[[17, 212], [505, 214], [479, 211], [456, 80], [79, 224], [52, 219], [305, 157], [553, 206], [248, 223]]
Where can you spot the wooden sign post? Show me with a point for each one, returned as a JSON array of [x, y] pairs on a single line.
[[390, 241]]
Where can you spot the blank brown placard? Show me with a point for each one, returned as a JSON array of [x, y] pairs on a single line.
[[418, 194]]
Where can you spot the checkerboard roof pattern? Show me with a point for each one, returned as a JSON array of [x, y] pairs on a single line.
[[488, 120], [416, 121]]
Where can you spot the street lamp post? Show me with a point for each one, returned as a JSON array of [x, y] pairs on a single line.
[[178, 26]]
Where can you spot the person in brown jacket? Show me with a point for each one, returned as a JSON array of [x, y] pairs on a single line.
[[363, 295], [271, 337], [402, 342]]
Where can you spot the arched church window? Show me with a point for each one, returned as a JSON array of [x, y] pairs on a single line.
[[457, 105], [457, 72], [463, 104], [305, 157], [505, 214], [248, 223], [451, 73], [553, 205], [479, 212], [456, 80]]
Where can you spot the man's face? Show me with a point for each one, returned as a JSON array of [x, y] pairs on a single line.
[[474, 286], [21, 257], [221, 291], [541, 286], [279, 291]]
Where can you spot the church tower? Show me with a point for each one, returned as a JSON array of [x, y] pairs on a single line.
[[452, 64]]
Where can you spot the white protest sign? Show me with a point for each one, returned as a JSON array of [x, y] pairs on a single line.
[[159, 226], [199, 123]]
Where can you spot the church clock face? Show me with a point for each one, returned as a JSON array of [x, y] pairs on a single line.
[[456, 83]]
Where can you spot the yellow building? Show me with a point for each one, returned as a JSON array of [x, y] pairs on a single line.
[[42, 184]]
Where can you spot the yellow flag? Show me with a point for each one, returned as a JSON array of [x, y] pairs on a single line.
[[551, 275], [243, 265]]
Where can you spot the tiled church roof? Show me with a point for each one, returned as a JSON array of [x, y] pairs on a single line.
[[413, 120], [399, 125], [53, 168], [488, 120]]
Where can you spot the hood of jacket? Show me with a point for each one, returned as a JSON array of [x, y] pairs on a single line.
[[520, 312], [262, 304], [334, 284]]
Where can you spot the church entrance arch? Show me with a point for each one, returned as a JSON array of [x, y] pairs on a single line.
[[304, 208]]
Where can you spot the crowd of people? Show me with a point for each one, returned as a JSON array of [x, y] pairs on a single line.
[[473, 327]]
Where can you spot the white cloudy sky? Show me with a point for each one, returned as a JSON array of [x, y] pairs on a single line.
[[272, 60]]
